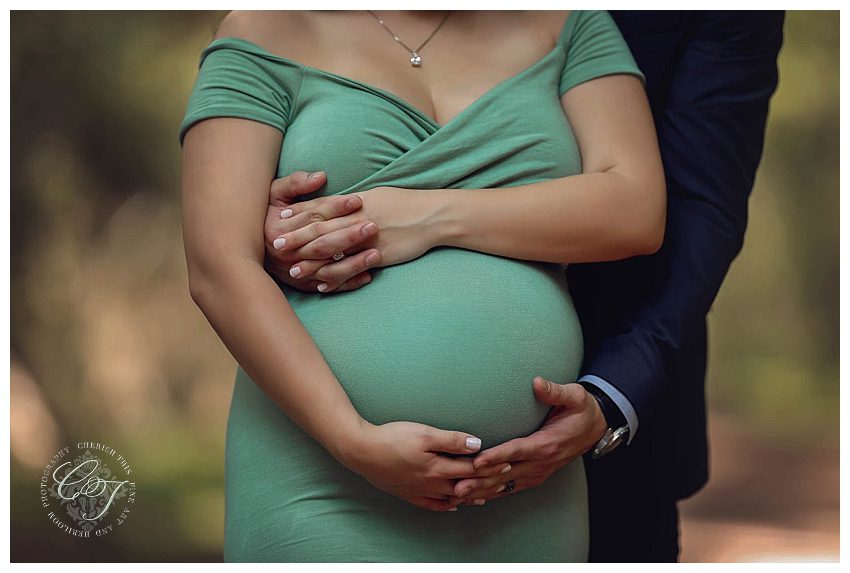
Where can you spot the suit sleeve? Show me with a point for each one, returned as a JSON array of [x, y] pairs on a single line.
[[711, 131]]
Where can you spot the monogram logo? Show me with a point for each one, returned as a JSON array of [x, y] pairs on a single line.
[[90, 494]]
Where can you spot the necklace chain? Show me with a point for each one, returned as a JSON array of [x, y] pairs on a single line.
[[415, 58]]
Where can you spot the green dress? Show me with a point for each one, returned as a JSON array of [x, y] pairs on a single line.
[[452, 339]]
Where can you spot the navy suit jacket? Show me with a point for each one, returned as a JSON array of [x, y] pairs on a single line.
[[710, 76]]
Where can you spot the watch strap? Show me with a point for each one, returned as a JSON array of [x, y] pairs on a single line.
[[614, 417]]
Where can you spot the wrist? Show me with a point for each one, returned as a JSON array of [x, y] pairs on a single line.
[[611, 413], [599, 425], [350, 442], [444, 225], [608, 419]]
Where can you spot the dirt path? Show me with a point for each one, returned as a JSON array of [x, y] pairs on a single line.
[[764, 502]]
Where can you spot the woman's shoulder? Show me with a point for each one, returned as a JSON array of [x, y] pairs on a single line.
[[555, 22], [256, 25], [248, 44], [276, 33], [238, 77]]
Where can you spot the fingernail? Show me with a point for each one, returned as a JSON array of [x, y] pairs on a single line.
[[479, 501], [368, 228], [351, 203], [452, 509], [322, 287], [372, 258], [294, 271], [279, 243], [473, 443], [286, 213], [315, 174], [501, 487], [464, 491], [506, 470]]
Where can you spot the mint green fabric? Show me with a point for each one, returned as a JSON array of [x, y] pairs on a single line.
[[452, 339]]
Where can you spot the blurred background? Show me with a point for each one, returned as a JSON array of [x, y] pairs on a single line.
[[107, 345]]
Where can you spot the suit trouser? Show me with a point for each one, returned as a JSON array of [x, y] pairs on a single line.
[[630, 519]]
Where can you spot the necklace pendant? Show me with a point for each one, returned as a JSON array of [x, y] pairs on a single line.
[[415, 60]]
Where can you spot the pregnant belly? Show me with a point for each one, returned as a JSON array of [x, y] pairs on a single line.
[[452, 339]]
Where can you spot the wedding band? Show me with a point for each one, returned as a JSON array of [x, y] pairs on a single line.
[[509, 486], [338, 256]]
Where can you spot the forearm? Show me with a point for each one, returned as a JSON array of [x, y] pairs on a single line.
[[614, 209], [588, 217], [266, 337], [630, 340]]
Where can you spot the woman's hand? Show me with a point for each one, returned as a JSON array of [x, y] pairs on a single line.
[[347, 274], [404, 459], [400, 217]]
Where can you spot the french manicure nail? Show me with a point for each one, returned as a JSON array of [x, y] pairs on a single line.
[[294, 271], [315, 174], [286, 213], [479, 501], [279, 243], [372, 258], [452, 509], [473, 443], [501, 487], [322, 287], [368, 228], [505, 470]]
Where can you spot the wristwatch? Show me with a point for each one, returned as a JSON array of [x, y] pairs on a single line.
[[618, 428]]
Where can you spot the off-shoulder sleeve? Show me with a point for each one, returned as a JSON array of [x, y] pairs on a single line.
[[594, 47], [233, 82]]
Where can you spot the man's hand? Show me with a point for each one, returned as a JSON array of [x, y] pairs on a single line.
[[326, 213], [572, 427]]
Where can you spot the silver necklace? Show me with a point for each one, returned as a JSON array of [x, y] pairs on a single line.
[[415, 58]]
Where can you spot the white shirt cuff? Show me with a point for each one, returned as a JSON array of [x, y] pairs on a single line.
[[619, 399]]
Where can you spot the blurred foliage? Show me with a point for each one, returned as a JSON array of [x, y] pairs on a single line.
[[774, 327], [107, 345]]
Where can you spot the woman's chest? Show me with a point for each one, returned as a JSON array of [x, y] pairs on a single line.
[[515, 133]]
